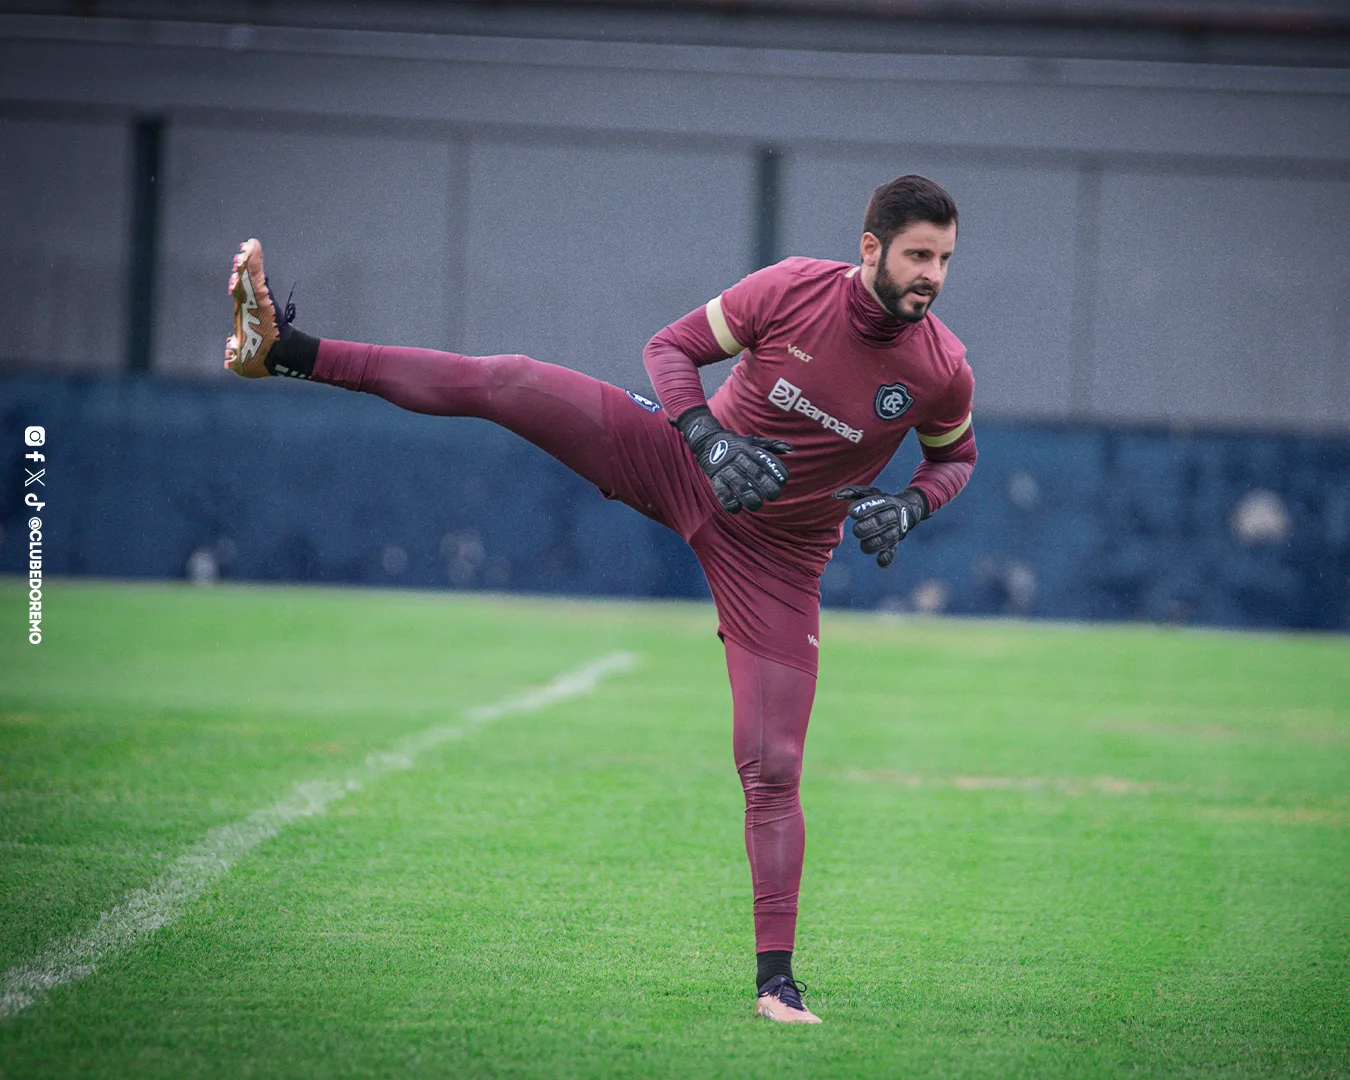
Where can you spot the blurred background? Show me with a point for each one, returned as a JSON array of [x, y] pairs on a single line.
[[1151, 279]]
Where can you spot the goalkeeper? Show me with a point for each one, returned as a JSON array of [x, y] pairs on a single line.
[[838, 363]]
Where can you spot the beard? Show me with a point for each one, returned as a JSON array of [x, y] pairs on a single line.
[[890, 294]]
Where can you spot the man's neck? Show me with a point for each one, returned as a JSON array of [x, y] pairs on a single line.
[[868, 276]]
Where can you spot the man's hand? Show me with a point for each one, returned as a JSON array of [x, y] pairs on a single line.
[[881, 521], [744, 472]]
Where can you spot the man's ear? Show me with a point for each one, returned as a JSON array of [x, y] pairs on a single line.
[[870, 249]]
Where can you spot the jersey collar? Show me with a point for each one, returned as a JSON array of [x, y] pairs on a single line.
[[868, 319]]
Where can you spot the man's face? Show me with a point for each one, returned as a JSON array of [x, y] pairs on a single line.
[[907, 274]]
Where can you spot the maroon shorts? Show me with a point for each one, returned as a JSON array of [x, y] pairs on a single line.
[[764, 580]]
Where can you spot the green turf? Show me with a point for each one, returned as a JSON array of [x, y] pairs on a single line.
[[1032, 850]]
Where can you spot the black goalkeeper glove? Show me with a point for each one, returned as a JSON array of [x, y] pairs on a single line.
[[744, 472], [881, 521]]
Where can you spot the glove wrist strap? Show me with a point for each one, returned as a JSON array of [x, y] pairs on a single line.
[[697, 425], [918, 497]]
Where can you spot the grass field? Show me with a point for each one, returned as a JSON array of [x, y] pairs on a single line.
[[1032, 850]]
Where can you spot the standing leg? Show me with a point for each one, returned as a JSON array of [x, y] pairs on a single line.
[[771, 705], [768, 606]]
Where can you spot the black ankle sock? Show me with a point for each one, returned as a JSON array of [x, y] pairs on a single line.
[[293, 354], [771, 963]]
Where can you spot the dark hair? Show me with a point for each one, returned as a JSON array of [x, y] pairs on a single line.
[[896, 206]]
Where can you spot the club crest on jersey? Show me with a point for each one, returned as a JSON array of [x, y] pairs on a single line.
[[646, 403], [893, 401]]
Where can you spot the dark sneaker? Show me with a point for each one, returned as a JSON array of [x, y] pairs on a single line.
[[781, 999]]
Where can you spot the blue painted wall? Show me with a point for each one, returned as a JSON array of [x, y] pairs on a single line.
[[280, 482]]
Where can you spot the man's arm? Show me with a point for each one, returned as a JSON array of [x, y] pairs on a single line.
[[744, 470], [947, 439], [728, 323], [673, 357]]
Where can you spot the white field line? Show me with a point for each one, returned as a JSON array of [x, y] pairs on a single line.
[[1068, 785], [162, 901]]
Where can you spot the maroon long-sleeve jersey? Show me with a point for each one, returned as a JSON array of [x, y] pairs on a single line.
[[825, 367]]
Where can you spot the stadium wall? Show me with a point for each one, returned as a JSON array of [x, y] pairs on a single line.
[[283, 482], [1148, 236]]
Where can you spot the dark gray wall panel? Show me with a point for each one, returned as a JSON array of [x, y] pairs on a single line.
[[360, 224], [578, 254], [1223, 299], [1009, 293], [959, 101], [65, 191]]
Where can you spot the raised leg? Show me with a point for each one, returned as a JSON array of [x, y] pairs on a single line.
[[559, 410]]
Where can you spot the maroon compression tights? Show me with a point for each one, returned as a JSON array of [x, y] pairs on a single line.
[[771, 704], [559, 410], [562, 412]]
